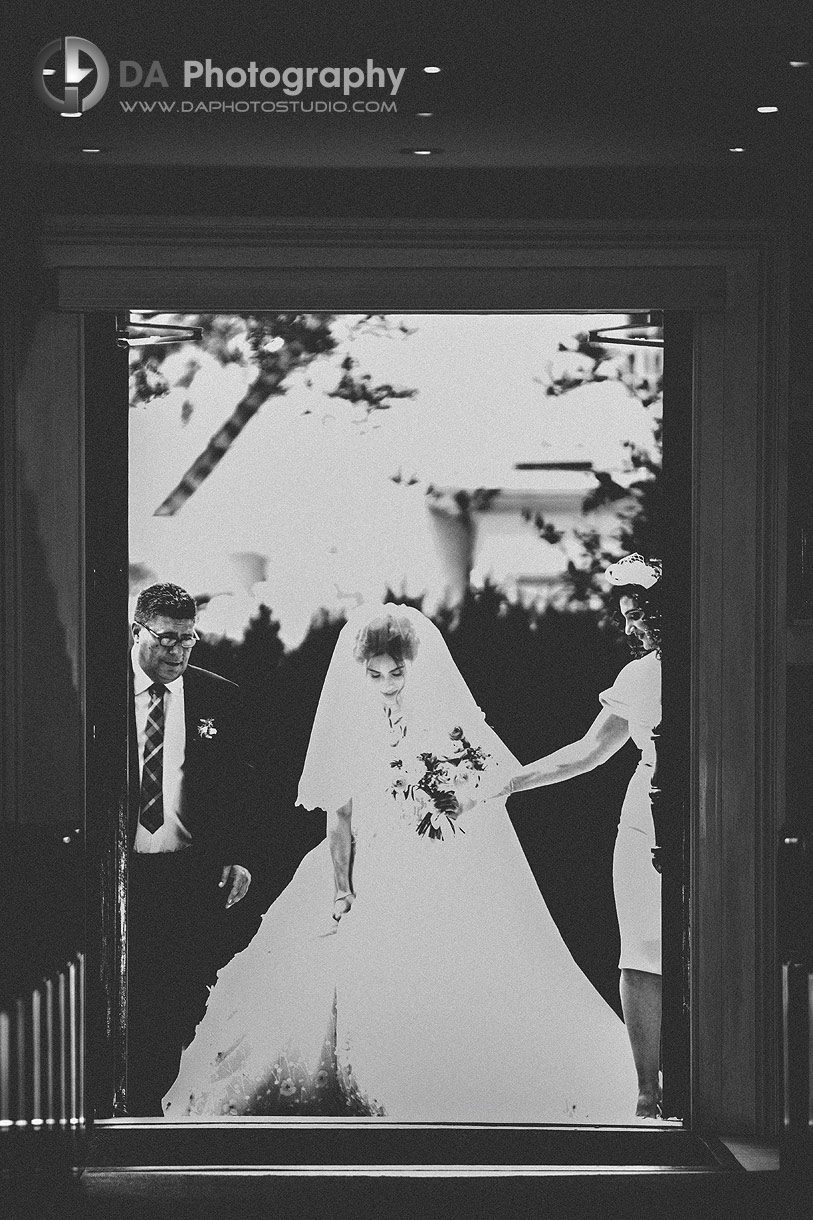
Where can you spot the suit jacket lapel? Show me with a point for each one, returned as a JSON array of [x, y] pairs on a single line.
[[195, 789], [202, 759], [191, 703]]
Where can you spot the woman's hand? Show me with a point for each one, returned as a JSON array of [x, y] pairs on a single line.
[[342, 904], [495, 787]]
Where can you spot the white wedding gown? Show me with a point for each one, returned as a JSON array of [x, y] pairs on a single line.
[[446, 994]]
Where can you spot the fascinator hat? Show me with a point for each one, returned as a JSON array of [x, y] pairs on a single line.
[[634, 570]]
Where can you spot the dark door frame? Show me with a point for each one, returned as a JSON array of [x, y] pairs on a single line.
[[729, 278]]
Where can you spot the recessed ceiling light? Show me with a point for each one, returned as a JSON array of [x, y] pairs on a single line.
[[431, 69], [423, 114], [767, 109], [800, 63], [421, 152], [91, 150], [736, 148]]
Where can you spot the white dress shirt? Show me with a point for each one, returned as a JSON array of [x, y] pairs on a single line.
[[171, 835]]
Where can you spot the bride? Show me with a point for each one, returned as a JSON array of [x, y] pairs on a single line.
[[436, 986]]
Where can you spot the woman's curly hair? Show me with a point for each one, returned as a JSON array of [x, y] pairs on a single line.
[[649, 602]]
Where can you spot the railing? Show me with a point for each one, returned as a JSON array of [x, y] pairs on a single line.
[[42, 1068], [795, 936]]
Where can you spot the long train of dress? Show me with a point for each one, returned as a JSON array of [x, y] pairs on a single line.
[[446, 994]]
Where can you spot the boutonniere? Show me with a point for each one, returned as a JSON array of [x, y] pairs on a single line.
[[206, 728]]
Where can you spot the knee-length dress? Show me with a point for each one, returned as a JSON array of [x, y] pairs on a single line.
[[636, 696]]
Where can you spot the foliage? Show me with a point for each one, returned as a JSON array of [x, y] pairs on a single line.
[[638, 502], [259, 340], [463, 504], [274, 345], [357, 388]]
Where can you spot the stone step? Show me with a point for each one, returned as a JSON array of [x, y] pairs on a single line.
[[359, 1143]]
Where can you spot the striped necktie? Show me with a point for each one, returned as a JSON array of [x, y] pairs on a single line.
[[152, 773]]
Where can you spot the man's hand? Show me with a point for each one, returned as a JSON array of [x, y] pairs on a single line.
[[240, 879]]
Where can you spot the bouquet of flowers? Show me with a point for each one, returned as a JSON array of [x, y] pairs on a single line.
[[436, 780]]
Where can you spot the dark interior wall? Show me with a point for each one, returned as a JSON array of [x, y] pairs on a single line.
[[800, 442], [50, 658], [799, 705], [43, 782], [43, 648], [42, 798], [724, 191]]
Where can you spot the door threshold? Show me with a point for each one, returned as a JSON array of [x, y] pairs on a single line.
[[375, 1146]]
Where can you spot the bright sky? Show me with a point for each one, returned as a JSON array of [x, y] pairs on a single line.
[[308, 485]]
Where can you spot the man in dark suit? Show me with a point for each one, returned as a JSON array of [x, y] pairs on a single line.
[[189, 837]]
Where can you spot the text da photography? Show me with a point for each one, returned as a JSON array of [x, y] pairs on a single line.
[[291, 81]]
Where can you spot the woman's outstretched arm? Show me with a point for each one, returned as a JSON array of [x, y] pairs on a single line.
[[605, 737], [339, 836]]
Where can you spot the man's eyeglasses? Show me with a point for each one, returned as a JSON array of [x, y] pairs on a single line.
[[169, 641]]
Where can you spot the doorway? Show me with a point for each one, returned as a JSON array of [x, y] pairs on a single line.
[[483, 467], [730, 287]]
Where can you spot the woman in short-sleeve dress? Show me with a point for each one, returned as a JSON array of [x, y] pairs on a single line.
[[635, 697], [631, 708]]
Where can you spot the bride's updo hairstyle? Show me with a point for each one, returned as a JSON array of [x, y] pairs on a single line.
[[391, 635]]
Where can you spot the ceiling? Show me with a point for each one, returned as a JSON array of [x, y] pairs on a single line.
[[522, 85]]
